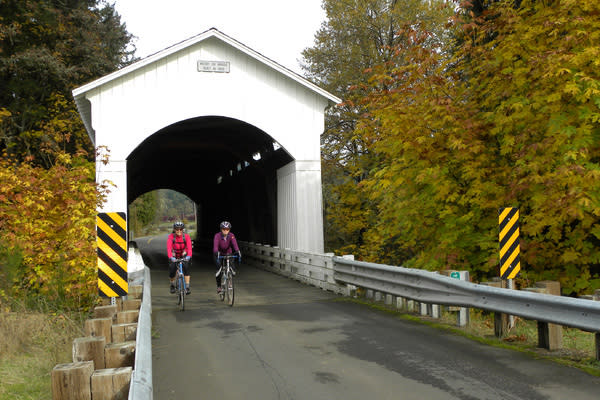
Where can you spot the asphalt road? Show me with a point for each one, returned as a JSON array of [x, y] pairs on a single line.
[[286, 340]]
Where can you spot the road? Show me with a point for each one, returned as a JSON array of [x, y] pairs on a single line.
[[285, 340]]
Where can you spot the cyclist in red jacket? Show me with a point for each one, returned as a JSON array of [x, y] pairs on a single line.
[[224, 243], [179, 245]]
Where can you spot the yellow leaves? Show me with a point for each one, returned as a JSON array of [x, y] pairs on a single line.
[[4, 113], [49, 215], [562, 71], [570, 256]]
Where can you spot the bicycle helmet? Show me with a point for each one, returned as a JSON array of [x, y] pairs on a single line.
[[178, 225], [225, 225]]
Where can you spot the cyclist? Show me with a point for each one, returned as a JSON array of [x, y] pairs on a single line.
[[179, 245], [224, 243]]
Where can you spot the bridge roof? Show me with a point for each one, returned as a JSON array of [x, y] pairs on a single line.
[[84, 107]]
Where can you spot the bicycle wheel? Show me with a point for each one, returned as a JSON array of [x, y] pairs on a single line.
[[181, 293], [223, 285], [230, 290]]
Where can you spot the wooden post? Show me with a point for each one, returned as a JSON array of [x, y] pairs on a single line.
[[549, 335], [72, 381], [110, 301], [124, 332], [501, 321], [127, 317], [89, 348], [400, 303], [131, 304], [117, 355], [111, 384], [99, 327], [135, 292], [388, 299], [105, 311], [462, 315]]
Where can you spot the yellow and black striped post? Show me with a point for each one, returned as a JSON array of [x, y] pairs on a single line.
[[111, 229], [510, 264]]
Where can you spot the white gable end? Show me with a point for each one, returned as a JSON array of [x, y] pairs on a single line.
[[169, 106], [137, 101]]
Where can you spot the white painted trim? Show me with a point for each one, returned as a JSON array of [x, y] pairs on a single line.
[[213, 32]]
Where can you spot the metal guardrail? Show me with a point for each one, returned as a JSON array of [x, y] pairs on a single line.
[[430, 287], [335, 273], [141, 387]]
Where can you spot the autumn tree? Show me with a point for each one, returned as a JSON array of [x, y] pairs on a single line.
[[357, 35], [143, 211], [47, 231], [48, 193], [47, 48], [513, 119]]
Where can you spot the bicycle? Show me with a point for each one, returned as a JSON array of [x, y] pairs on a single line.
[[227, 286], [180, 287]]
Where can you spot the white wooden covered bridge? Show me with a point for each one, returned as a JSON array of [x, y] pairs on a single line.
[[217, 121]]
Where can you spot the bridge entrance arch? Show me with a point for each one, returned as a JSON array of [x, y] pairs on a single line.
[[215, 120]]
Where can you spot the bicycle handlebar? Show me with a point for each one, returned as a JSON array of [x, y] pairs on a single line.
[[228, 256]]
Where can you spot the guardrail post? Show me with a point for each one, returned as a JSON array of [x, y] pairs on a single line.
[[389, 299], [400, 303], [111, 383], [549, 335], [501, 320], [462, 317], [99, 327], [89, 348], [72, 381], [351, 290]]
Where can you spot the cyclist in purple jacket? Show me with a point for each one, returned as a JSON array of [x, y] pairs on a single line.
[[224, 243]]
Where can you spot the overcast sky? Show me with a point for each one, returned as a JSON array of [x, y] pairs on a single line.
[[278, 29]]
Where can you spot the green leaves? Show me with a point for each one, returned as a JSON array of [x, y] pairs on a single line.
[[46, 50]]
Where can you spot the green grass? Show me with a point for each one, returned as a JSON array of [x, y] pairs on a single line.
[[578, 346], [165, 228], [31, 345]]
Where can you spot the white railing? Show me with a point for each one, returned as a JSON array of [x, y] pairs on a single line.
[[340, 274]]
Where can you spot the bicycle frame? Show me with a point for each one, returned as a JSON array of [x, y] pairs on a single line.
[[227, 274], [180, 284]]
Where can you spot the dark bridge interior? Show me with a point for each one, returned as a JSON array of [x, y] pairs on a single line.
[[214, 161]]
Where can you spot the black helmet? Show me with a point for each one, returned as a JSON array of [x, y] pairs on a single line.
[[178, 225], [225, 225]]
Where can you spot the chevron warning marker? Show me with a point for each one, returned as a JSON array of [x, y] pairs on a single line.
[[510, 264], [111, 230]]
